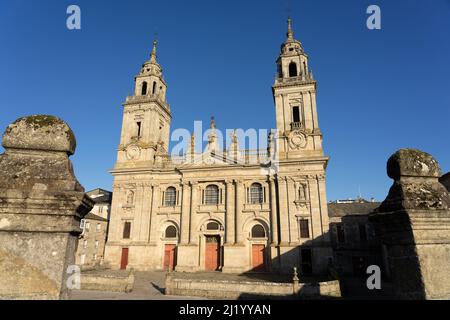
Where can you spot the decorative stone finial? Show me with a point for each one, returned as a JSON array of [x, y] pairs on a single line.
[[295, 278], [40, 132], [412, 163], [153, 55], [212, 123], [290, 33], [416, 185]]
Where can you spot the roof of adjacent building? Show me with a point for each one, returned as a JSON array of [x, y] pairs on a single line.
[[91, 216], [445, 180], [100, 195], [355, 208]]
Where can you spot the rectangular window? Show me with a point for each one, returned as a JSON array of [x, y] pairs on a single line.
[[340, 233], [139, 128], [96, 244], [82, 222], [362, 232], [100, 209], [95, 257], [87, 225], [304, 228], [85, 244], [296, 114], [99, 226], [126, 230]]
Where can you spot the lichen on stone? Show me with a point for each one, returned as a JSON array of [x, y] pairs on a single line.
[[40, 132], [39, 121]]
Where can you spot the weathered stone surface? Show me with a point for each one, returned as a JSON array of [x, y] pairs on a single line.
[[416, 184], [178, 284], [40, 132], [41, 205], [107, 282], [414, 163], [413, 224]]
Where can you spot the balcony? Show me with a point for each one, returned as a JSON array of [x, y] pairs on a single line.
[[146, 98], [296, 126]]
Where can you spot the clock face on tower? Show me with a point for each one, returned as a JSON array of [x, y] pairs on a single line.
[[133, 152]]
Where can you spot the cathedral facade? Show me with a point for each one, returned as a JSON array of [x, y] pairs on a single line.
[[228, 210]]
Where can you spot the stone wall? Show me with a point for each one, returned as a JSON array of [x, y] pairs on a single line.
[[107, 282], [41, 205], [229, 289]]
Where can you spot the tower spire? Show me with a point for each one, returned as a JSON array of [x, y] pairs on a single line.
[[153, 56], [290, 33]]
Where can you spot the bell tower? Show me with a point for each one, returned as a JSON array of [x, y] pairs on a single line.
[[146, 118], [294, 94]]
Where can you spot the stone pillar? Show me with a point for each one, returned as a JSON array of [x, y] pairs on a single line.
[[187, 252], [41, 206], [229, 227], [194, 196], [148, 196], [185, 208], [273, 212], [284, 214], [156, 198], [413, 225], [240, 193]]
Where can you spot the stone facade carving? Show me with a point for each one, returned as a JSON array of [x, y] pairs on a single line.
[[231, 187]]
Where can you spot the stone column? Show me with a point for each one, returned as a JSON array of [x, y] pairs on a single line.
[[230, 213], [307, 110], [413, 224], [41, 206], [240, 193], [156, 198], [325, 222], [314, 110], [193, 211], [284, 215], [185, 208], [273, 212], [150, 189], [315, 201]]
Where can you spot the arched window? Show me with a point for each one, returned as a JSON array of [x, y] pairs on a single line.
[[256, 193], [258, 231], [154, 87], [292, 69], [212, 226], [144, 88], [170, 197], [212, 194], [171, 232]]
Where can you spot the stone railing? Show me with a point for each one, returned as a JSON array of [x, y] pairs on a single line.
[[256, 156], [146, 98], [296, 126], [292, 80]]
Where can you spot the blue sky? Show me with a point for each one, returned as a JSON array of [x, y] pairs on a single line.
[[378, 90]]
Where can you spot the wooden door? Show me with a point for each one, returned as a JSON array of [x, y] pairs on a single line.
[[258, 257], [170, 257], [212, 253], [124, 259]]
